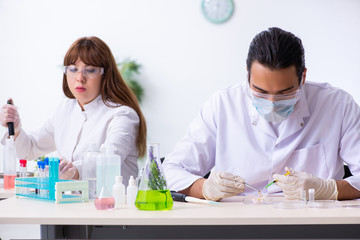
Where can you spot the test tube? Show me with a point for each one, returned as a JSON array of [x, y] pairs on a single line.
[[303, 195], [23, 174], [311, 195], [23, 169], [43, 191], [46, 160]]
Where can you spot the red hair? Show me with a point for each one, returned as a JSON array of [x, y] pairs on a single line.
[[93, 51]]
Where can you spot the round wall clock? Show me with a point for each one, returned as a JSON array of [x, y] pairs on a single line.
[[217, 11]]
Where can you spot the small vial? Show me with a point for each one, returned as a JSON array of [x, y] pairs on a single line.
[[311, 195], [303, 195], [46, 160], [23, 168], [23, 174], [43, 191]]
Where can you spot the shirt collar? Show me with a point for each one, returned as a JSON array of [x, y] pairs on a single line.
[[93, 104]]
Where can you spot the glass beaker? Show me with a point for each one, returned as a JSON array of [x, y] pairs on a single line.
[[88, 169], [104, 200], [153, 193]]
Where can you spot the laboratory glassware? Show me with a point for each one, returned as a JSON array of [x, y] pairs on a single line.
[[9, 161], [311, 195], [23, 174], [88, 169], [104, 200], [46, 161], [23, 168], [153, 193], [113, 167], [42, 177]]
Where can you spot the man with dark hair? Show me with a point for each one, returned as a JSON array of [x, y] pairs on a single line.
[[272, 124]]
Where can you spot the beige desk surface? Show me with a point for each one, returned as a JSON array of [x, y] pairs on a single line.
[[6, 193], [231, 212]]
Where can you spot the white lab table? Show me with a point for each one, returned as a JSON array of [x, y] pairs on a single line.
[[6, 193], [231, 219]]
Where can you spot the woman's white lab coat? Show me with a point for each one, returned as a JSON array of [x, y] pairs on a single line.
[[71, 131], [229, 135]]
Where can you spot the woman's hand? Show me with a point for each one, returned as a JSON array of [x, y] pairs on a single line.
[[67, 170], [8, 114]]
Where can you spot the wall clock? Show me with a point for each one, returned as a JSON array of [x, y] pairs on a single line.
[[217, 11]]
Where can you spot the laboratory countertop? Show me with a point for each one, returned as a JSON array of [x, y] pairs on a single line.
[[232, 211], [6, 193]]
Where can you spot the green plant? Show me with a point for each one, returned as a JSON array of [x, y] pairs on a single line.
[[156, 179], [129, 69]]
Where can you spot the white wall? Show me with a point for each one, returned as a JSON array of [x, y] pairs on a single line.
[[185, 58]]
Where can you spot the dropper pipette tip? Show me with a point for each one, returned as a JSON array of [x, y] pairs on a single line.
[[274, 181]]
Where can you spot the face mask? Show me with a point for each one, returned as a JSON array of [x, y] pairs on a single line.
[[274, 111]]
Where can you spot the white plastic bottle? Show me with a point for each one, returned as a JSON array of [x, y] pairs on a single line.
[[131, 192], [118, 191]]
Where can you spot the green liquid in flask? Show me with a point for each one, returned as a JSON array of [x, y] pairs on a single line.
[[154, 200]]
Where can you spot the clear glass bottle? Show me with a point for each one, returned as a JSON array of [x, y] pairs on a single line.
[[104, 200], [153, 193], [113, 167], [88, 168], [9, 160]]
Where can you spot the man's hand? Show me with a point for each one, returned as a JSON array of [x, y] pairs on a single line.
[[221, 185], [294, 183]]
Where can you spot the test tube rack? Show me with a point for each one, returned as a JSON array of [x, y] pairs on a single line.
[[52, 188]]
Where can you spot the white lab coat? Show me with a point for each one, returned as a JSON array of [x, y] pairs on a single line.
[[71, 131], [229, 135]]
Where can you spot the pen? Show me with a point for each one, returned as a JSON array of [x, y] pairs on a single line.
[[185, 198], [287, 173]]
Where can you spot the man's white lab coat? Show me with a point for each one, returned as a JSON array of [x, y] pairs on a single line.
[[71, 132], [229, 135]]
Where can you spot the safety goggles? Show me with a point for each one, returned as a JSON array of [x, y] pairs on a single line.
[[273, 98], [88, 72]]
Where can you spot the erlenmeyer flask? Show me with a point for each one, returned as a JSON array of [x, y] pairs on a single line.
[[153, 193], [104, 200]]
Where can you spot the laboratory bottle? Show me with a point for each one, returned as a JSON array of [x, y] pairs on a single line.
[[113, 167], [88, 168], [9, 163], [104, 200], [118, 191], [131, 192], [153, 193]]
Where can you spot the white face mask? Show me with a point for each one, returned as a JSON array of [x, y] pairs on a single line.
[[276, 110]]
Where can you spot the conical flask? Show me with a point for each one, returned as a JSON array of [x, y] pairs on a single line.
[[153, 193], [104, 199]]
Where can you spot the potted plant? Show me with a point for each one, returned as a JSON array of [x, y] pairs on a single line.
[[129, 69]]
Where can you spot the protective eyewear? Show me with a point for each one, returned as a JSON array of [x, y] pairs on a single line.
[[88, 72], [274, 98]]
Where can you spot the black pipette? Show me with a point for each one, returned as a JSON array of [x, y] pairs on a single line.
[[11, 124]]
